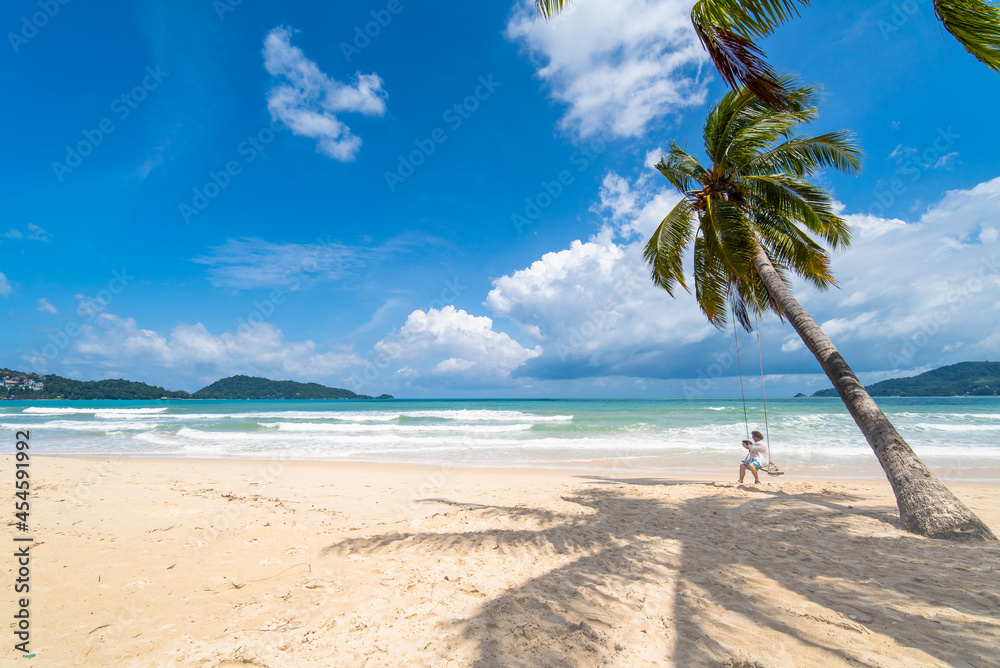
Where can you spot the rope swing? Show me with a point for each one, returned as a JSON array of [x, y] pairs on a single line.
[[772, 468]]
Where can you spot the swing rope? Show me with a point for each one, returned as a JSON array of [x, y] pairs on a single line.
[[760, 355], [739, 365], [772, 468]]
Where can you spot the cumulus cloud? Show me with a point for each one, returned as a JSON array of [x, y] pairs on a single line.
[[45, 307], [454, 346], [616, 64], [930, 285], [913, 295], [5, 288], [636, 209], [249, 263], [117, 343], [594, 311], [307, 100]]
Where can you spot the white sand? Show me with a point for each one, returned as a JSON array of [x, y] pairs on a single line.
[[207, 563]]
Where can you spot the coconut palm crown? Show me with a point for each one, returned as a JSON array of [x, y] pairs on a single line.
[[728, 29], [754, 195]]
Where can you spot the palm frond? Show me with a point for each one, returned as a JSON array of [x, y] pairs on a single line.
[[976, 25], [729, 236], [711, 283], [664, 251], [745, 126], [750, 18], [727, 29], [680, 168], [788, 246], [789, 196], [549, 8], [803, 156], [740, 62]]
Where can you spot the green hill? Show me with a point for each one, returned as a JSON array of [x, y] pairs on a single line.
[[248, 387], [235, 387], [964, 379], [57, 387]]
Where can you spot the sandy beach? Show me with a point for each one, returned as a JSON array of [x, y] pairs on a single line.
[[141, 562]]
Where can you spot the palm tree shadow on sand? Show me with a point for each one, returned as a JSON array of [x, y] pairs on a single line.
[[641, 580]]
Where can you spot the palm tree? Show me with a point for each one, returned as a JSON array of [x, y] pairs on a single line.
[[752, 219], [728, 28]]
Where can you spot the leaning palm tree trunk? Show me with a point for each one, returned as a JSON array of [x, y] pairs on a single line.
[[926, 506]]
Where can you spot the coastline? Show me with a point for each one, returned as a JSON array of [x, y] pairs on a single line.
[[287, 563]]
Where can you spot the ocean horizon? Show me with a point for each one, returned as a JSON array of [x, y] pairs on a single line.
[[956, 437]]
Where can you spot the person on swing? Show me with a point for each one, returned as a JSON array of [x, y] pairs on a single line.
[[757, 459]]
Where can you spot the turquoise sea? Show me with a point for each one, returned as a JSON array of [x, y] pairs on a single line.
[[957, 437]]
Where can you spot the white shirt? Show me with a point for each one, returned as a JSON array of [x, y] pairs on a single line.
[[758, 451]]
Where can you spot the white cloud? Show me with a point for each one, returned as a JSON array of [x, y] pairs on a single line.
[[866, 226], [37, 233], [841, 328], [45, 307], [254, 263], [453, 365], [451, 343], [617, 64], [5, 288], [114, 342], [595, 312], [792, 344], [912, 295], [636, 209], [406, 373], [308, 101], [902, 152], [947, 161], [924, 285]]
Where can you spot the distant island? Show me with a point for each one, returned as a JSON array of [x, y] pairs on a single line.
[[248, 387], [965, 379], [27, 385]]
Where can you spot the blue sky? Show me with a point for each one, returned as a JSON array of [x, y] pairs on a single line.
[[454, 203]]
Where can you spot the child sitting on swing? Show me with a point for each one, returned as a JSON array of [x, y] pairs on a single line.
[[757, 459]]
